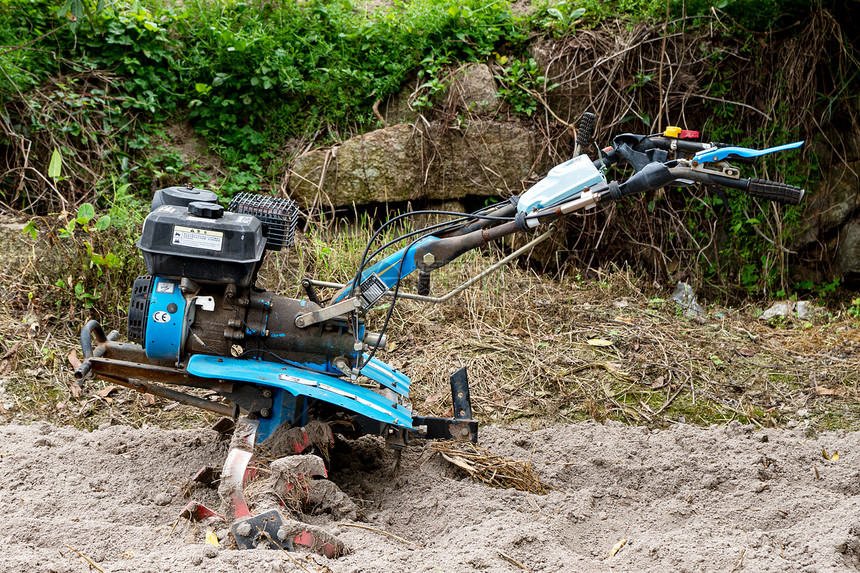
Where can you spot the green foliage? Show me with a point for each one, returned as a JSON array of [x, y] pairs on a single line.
[[95, 254], [248, 77], [750, 15], [560, 18], [521, 81], [854, 309]]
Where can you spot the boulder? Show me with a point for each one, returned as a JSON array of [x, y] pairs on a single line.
[[833, 203], [471, 88], [847, 259], [474, 89], [404, 162]]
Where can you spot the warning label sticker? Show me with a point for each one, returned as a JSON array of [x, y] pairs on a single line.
[[197, 238]]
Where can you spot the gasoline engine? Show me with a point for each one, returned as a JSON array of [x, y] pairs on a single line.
[[200, 295]]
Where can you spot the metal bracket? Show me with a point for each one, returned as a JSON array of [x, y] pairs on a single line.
[[327, 313], [260, 531], [724, 169]]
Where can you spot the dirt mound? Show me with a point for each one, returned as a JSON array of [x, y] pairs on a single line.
[[682, 499]]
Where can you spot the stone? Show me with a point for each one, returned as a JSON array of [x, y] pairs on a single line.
[[685, 297], [832, 204], [402, 163], [800, 309], [847, 259], [474, 89]]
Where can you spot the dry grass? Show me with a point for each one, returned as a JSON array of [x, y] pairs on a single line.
[[489, 468], [525, 340]]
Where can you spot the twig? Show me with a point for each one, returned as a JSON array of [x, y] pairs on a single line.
[[87, 559], [377, 114], [730, 102], [172, 529], [740, 562], [287, 553], [510, 559], [669, 401], [381, 531]]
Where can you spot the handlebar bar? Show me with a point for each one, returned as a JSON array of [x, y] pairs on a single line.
[[656, 175], [649, 157]]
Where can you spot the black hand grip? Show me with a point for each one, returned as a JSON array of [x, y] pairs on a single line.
[[773, 191], [652, 176], [423, 283], [586, 130]]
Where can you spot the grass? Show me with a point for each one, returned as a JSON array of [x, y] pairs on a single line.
[[537, 349]]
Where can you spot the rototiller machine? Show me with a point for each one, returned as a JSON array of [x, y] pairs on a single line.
[[297, 371]]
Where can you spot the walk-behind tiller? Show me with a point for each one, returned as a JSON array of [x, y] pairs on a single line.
[[294, 372]]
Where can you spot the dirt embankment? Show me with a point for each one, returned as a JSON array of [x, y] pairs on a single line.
[[682, 499]]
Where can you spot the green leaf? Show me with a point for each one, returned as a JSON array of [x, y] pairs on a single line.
[[68, 231], [78, 9], [55, 167], [64, 9], [577, 13], [31, 229], [555, 13], [103, 223], [86, 212]]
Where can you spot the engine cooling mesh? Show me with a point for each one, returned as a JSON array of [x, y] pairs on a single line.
[[278, 216]]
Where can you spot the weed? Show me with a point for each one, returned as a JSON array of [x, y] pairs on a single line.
[[93, 260], [521, 81]]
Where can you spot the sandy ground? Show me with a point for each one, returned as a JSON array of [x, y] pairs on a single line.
[[684, 499]]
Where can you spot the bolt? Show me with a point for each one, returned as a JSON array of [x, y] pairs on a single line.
[[267, 393], [300, 321], [265, 413], [243, 529], [464, 432], [281, 534], [429, 258]]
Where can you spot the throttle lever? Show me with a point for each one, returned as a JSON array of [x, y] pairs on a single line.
[[715, 155]]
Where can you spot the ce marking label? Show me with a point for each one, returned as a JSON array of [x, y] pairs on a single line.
[[161, 316]]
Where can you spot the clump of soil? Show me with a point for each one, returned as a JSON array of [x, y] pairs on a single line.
[[681, 499]]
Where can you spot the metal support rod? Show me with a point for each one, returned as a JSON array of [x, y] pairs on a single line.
[[465, 285], [90, 328], [181, 397]]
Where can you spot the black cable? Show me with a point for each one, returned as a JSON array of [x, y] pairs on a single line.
[[391, 308], [357, 279], [413, 233]]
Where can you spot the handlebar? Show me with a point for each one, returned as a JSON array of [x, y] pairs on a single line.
[[648, 155], [656, 175]]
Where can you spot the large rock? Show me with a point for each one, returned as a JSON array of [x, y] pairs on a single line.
[[832, 204], [847, 259], [474, 89], [404, 162], [471, 88]]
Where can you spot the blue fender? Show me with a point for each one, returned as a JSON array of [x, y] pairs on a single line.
[[300, 382]]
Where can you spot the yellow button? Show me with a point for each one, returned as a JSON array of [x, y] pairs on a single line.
[[672, 131]]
